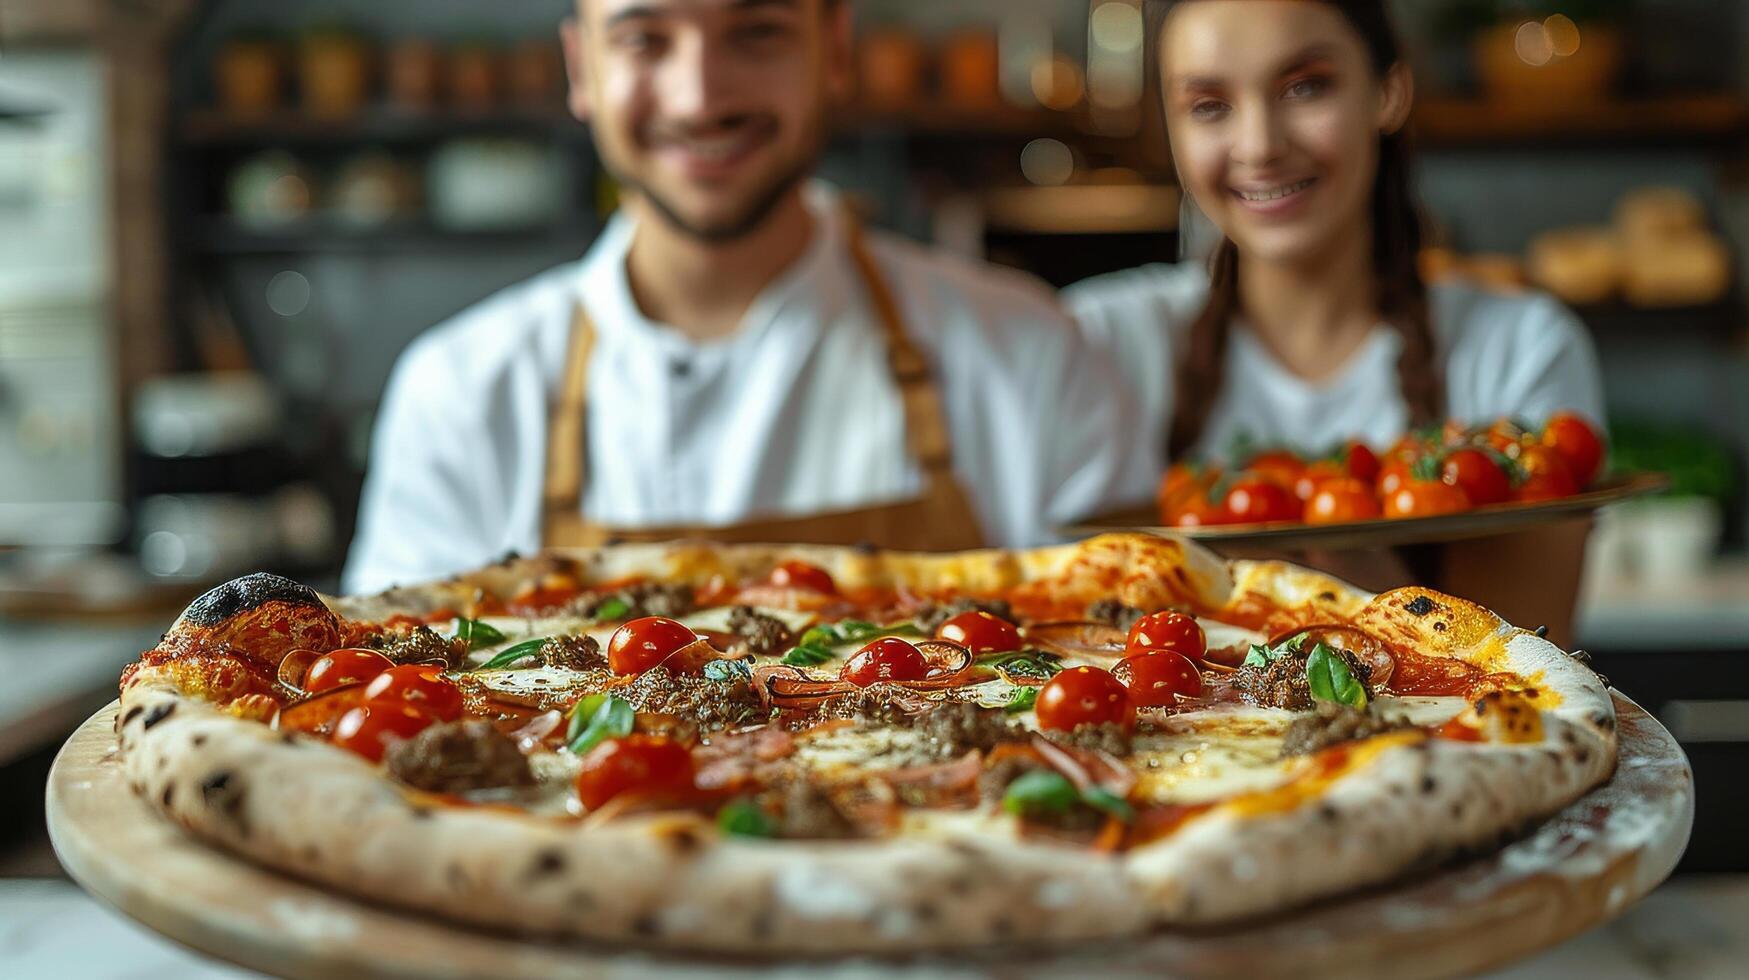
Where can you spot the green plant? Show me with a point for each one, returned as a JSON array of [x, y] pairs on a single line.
[[1696, 464]]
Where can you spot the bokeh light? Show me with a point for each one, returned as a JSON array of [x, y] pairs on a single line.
[[1047, 162]]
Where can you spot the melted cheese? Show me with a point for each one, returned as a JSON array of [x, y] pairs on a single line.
[[854, 749], [716, 619]]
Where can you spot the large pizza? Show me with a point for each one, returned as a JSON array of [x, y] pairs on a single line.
[[804, 749]]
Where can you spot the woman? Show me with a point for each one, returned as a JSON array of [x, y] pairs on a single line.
[[1311, 324]]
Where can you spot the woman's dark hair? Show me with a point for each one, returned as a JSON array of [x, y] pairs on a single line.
[[1396, 245]]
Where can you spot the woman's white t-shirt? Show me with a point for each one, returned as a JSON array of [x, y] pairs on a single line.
[[1522, 355]]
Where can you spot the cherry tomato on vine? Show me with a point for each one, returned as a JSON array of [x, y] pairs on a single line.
[[1255, 500], [1341, 501], [1578, 443], [1478, 475]]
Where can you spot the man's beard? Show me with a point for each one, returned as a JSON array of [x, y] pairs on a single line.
[[750, 219]]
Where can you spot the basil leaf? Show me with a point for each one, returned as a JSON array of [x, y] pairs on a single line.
[[1260, 656], [1109, 803], [819, 636], [510, 655], [728, 671], [808, 655], [610, 609], [1040, 791], [597, 718], [1330, 680], [1024, 663], [477, 634], [744, 818], [1022, 699]]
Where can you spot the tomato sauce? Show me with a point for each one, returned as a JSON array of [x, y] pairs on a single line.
[[1418, 676]]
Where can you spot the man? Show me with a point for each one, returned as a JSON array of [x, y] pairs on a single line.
[[735, 358]]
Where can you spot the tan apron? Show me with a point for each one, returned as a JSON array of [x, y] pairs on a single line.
[[940, 520]]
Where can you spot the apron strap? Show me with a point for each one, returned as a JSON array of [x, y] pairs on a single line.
[[926, 432]]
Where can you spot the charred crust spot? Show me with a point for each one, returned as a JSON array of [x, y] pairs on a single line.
[[1419, 606], [420, 812], [158, 713], [169, 794], [458, 878], [927, 911], [312, 854], [960, 884], [1439, 627], [683, 840], [1457, 810], [288, 738], [1327, 813], [646, 925], [866, 548], [1002, 927], [762, 925], [1541, 632], [1581, 755], [547, 862], [1428, 784], [582, 899], [1327, 596], [245, 594], [224, 794], [198, 740], [132, 713]]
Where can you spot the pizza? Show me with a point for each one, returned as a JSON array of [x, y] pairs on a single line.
[[817, 750]]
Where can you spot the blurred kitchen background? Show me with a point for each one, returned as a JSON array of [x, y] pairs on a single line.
[[221, 220]]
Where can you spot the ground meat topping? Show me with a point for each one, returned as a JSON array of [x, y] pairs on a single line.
[[572, 653], [453, 757], [805, 810], [710, 705], [958, 727], [762, 634], [1332, 724], [1107, 737], [1282, 683], [422, 644], [932, 615], [885, 704], [643, 599]]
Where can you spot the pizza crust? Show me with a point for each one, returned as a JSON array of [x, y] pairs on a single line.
[[319, 812]]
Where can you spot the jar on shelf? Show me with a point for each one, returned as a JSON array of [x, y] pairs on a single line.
[[970, 75], [475, 71], [414, 72], [535, 72], [891, 64], [334, 67], [249, 76]]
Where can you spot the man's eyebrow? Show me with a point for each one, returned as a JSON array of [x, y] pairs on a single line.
[[646, 12], [752, 4]]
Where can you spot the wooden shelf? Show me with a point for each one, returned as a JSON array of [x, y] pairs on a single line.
[[1712, 118], [222, 236], [1722, 318], [217, 128]]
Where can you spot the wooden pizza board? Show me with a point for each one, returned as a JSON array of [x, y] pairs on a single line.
[[1482, 522], [1579, 869]]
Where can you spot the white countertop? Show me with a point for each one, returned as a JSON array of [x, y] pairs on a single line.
[[1705, 612], [57, 673]]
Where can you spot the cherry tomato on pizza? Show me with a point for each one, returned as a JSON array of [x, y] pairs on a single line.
[[1167, 630], [342, 667], [1480, 476], [1578, 443], [1343, 500], [654, 768], [1547, 475], [801, 575], [418, 685], [369, 728], [1083, 696], [1158, 679], [980, 632], [653, 641], [1255, 500], [886, 659]]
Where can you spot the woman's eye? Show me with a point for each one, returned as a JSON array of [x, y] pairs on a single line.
[[1307, 88], [1207, 109], [759, 33]]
